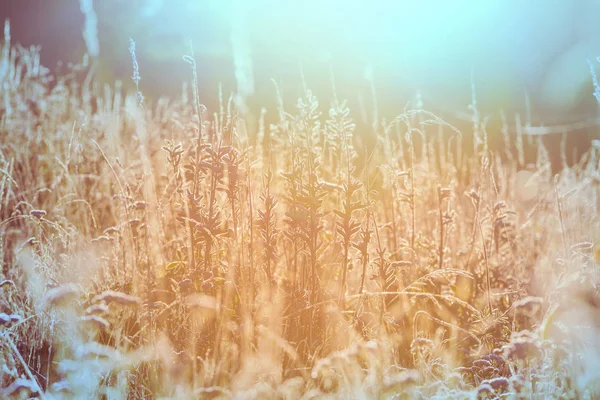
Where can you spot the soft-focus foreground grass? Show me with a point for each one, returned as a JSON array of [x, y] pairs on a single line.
[[164, 251]]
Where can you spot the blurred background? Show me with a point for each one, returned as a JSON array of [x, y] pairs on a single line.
[[522, 56]]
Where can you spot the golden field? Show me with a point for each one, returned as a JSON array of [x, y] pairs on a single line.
[[163, 250]]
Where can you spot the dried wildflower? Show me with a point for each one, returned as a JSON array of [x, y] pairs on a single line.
[[484, 389], [488, 366], [39, 214], [474, 196], [481, 363], [111, 296], [499, 384], [267, 226], [174, 152], [347, 226], [494, 358], [135, 223], [61, 295]]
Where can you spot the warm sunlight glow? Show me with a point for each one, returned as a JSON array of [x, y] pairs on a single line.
[[505, 47], [311, 199]]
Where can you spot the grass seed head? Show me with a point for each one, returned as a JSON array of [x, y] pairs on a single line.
[[62, 296], [120, 298]]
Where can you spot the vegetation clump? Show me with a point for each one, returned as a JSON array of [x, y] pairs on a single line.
[[151, 250]]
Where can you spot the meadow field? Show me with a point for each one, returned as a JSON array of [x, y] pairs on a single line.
[[162, 250]]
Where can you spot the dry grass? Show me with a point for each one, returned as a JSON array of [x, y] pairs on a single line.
[[158, 251]]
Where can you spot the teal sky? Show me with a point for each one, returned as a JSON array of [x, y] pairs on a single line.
[[506, 47]]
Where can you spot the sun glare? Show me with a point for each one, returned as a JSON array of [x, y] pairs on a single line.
[[317, 199]]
